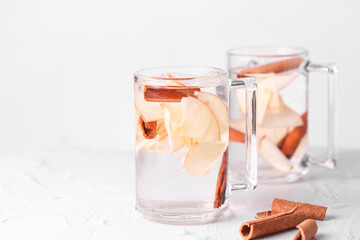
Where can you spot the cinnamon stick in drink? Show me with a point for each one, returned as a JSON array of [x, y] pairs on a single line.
[[168, 94], [271, 224], [220, 193], [292, 140], [148, 128], [310, 211], [275, 67], [307, 230], [235, 135]]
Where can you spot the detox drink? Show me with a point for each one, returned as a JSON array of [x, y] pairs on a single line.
[[181, 138], [282, 110]]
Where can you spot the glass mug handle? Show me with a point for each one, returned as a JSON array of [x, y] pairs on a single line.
[[250, 87], [332, 73]]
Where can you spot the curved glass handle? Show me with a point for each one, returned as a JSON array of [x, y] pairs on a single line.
[[332, 71], [250, 178]]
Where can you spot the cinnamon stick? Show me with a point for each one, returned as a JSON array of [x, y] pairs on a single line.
[[292, 140], [307, 230], [148, 128], [235, 135], [220, 193], [310, 211], [271, 224], [275, 67], [282, 141], [168, 94]]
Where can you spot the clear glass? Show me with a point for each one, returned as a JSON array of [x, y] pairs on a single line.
[[284, 150], [182, 135]]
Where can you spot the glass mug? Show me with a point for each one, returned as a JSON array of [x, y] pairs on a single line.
[[282, 111], [181, 140]]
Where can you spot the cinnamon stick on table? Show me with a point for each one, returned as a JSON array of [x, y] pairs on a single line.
[[310, 211], [307, 230], [271, 224], [220, 193], [275, 67]]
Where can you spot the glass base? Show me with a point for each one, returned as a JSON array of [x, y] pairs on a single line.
[[319, 161], [179, 213], [280, 178], [298, 173]]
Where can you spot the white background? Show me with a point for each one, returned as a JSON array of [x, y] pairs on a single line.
[[66, 66]]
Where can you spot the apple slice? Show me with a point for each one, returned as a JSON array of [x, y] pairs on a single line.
[[276, 101], [275, 135], [238, 124], [286, 117], [190, 142], [198, 121], [202, 157], [267, 83], [219, 109], [172, 119], [301, 148], [283, 80], [271, 153], [150, 111], [159, 144]]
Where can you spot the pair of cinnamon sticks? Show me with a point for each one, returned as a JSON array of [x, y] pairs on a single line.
[[285, 215]]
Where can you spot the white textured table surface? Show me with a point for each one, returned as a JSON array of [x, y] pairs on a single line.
[[85, 194]]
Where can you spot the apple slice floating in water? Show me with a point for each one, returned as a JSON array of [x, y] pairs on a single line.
[[219, 109], [301, 148], [172, 119], [272, 154], [268, 96], [217, 106], [202, 157], [286, 117], [198, 121], [283, 80], [266, 83], [275, 135]]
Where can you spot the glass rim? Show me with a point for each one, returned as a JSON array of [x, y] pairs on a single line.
[[220, 73], [245, 51]]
